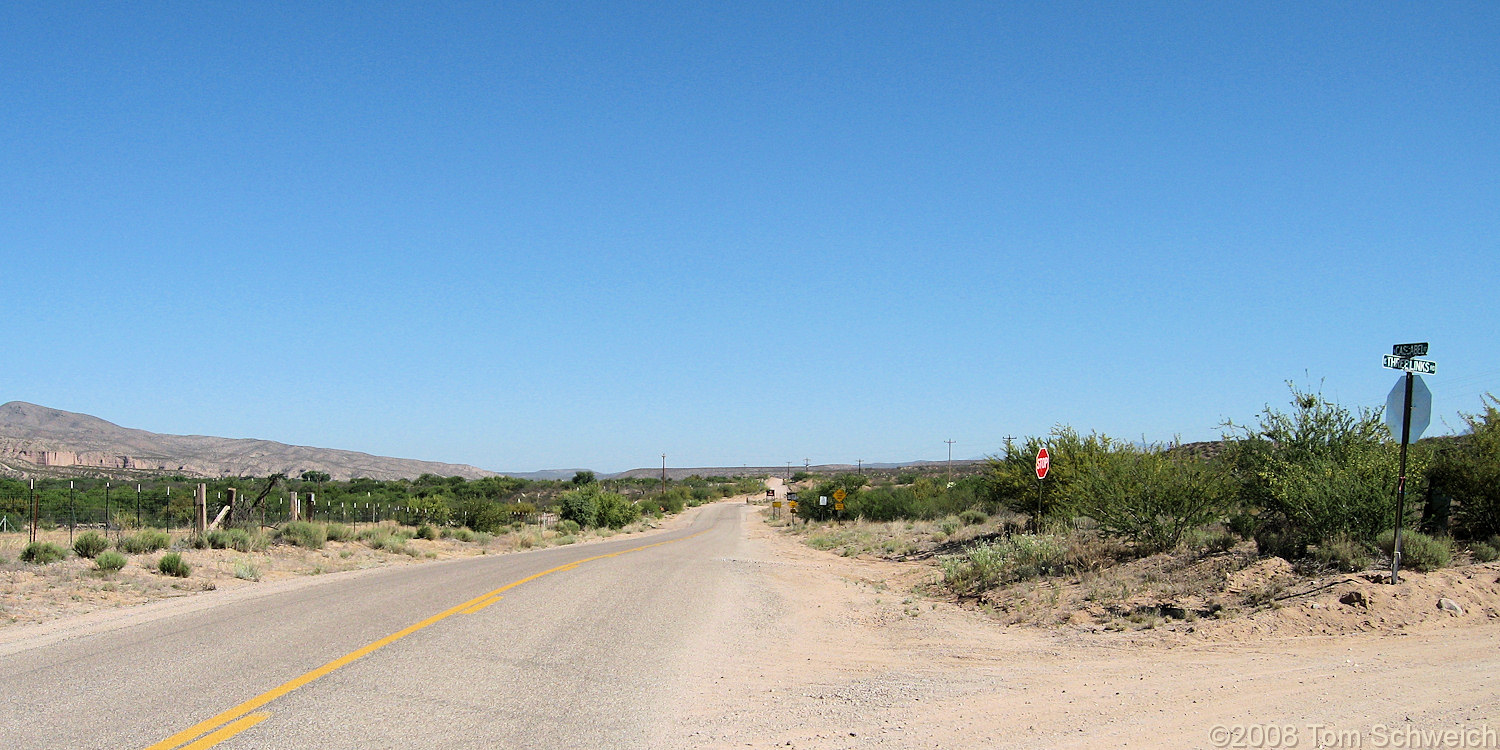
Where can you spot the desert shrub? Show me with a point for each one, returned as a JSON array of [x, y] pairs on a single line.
[[1010, 480], [43, 553], [425, 531], [987, 565], [1468, 472], [1320, 472], [303, 534], [615, 511], [245, 571], [1244, 524], [950, 525], [461, 534], [89, 544], [144, 542], [337, 532], [580, 506], [238, 540], [1208, 540], [567, 526], [172, 564], [972, 517], [481, 537], [198, 541], [1145, 496], [566, 539], [1344, 554], [109, 561], [1418, 551], [1486, 551]]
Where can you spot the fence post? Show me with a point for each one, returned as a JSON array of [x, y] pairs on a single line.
[[200, 509]]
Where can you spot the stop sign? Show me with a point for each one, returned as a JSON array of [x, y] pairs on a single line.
[[1042, 464]]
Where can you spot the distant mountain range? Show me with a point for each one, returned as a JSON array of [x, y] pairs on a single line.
[[38, 441]]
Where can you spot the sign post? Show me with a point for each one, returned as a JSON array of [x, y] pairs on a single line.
[[1043, 464], [1411, 424]]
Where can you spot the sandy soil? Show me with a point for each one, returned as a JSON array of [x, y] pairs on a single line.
[[848, 656]]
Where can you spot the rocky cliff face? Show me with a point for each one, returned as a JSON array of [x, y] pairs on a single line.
[[40, 438]]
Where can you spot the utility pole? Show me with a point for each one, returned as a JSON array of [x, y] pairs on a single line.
[[859, 465], [950, 460], [806, 464], [663, 474]]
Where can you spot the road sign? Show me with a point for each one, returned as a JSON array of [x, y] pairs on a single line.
[[791, 496], [838, 506], [1423, 366], [839, 494], [1410, 350], [1421, 407], [1043, 463], [792, 504], [776, 504], [770, 493], [822, 499]]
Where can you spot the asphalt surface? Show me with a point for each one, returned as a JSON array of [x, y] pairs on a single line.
[[586, 656]]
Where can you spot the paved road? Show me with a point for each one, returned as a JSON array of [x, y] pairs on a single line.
[[584, 656]]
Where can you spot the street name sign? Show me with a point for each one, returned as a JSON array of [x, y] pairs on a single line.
[[1410, 350], [1422, 366]]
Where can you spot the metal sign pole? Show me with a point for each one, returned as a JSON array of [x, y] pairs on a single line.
[[1401, 484]]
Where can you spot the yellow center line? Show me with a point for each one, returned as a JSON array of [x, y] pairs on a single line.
[[233, 714], [228, 731], [482, 605]]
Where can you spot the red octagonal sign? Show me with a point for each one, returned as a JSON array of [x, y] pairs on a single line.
[[1043, 463]]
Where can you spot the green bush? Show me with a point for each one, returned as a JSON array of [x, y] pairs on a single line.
[[143, 542], [303, 534], [1021, 557], [1148, 497], [238, 540], [337, 532], [89, 544], [245, 571], [426, 531], [615, 511], [1344, 554], [1208, 540], [566, 539], [1319, 472], [1419, 551], [1468, 472], [1486, 551], [567, 527], [43, 553], [973, 517], [199, 541], [109, 561], [172, 564], [580, 506]]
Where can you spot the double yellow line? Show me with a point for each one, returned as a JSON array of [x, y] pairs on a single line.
[[206, 734]]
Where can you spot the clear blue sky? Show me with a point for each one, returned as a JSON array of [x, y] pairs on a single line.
[[537, 235]]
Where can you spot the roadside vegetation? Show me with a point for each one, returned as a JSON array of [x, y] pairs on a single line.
[[1179, 531], [100, 567]]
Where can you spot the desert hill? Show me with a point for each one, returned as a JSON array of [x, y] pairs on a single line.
[[36, 440]]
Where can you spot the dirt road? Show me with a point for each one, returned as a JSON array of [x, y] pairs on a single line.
[[839, 655]]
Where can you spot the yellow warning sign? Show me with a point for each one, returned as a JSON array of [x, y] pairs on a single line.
[[839, 494], [776, 504]]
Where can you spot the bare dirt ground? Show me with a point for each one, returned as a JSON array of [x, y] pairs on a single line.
[[849, 656]]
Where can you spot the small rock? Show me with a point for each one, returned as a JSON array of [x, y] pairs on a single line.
[[1448, 605], [1355, 599]]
